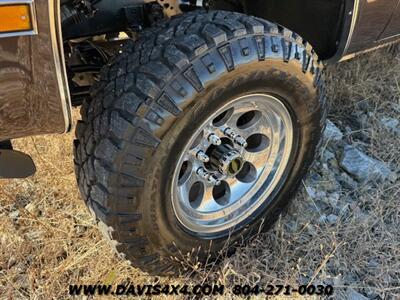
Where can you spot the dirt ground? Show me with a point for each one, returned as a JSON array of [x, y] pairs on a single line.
[[48, 239]]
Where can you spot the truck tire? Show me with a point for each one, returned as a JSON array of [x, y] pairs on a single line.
[[197, 136]]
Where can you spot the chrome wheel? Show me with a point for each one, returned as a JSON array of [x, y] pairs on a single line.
[[232, 164]]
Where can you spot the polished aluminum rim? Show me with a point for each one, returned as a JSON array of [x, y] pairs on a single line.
[[232, 164]]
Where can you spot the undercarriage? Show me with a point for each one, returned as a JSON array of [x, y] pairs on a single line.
[[96, 30]]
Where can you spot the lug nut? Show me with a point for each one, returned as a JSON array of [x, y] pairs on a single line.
[[237, 138], [241, 141], [214, 180], [214, 139], [202, 156], [211, 178], [229, 132]]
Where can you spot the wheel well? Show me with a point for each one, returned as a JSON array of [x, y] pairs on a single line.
[[317, 21], [91, 28]]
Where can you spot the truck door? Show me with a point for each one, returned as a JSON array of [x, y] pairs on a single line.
[[371, 18], [393, 26]]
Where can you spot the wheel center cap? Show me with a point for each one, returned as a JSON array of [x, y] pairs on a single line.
[[235, 166], [226, 160]]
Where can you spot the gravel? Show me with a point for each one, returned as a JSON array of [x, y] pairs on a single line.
[[344, 168]]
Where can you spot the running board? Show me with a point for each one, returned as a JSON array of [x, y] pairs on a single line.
[[15, 164]]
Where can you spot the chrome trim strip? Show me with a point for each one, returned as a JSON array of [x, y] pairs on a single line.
[[34, 30], [390, 37], [353, 25], [58, 53], [387, 44]]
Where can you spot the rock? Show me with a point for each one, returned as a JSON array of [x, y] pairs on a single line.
[[347, 182], [311, 230], [321, 195], [332, 132], [337, 280], [372, 264], [362, 167], [396, 107], [30, 207], [348, 130], [328, 182], [321, 206], [33, 209], [20, 268], [322, 219], [11, 262], [332, 219], [364, 106], [333, 199], [332, 135], [327, 156], [334, 165], [353, 295], [350, 278], [364, 136], [344, 210], [315, 191], [14, 214], [303, 280], [315, 177], [363, 121], [34, 235], [391, 124], [311, 192], [372, 294], [79, 229]]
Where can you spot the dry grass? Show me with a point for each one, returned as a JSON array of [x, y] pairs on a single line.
[[48, 240]]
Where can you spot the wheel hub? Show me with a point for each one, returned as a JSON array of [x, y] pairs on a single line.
[[226, 160], [232, 164]]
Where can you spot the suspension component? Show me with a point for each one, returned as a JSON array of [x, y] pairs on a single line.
[[237, 138], [211, 178]]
